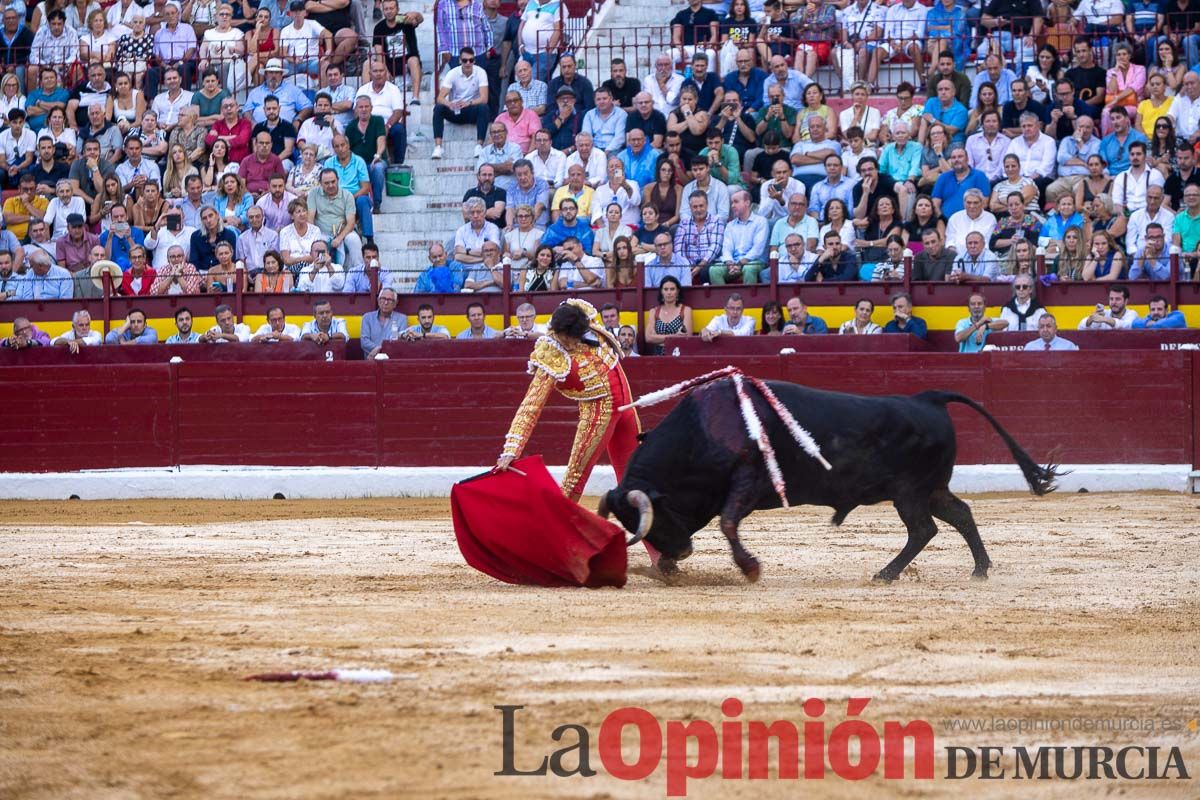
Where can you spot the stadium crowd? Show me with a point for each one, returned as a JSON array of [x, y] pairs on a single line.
[[183, 148]]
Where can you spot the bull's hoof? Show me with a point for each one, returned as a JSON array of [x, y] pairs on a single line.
[[668, 567], [686, 552], [884, 577], [751, 569], [979, 575]]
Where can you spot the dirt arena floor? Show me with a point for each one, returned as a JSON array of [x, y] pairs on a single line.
[[126, 629]]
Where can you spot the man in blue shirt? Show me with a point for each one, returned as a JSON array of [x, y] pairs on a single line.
[[834, 186], [294, 105], [134, 331], [639, 159], [800, 321], [904, 321], [568, 225], [119, 237], [950, 186], [45, 280], [746, 81], [972, 331], [353, 177], [947, 110], [1114, 148], [1158, 317]]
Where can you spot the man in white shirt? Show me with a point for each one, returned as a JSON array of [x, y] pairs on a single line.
[[664, 84], [324, 326], [591, 158], [795, 260], [81, 333], [1155, 211], [579, 270], [462, 99], [977, 264], [527, 326], [986, 149], [1037, 152], [169, 103], [1118, 315], [302, 42], [548, 164], [387, 101], [226, 329], [1131, 187], [973, 218], [322, 275], [1048, 338], [732, 323], [276, 328], [1185, 108], [17, 148]]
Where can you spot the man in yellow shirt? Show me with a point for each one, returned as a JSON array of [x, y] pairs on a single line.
[[23, 207]]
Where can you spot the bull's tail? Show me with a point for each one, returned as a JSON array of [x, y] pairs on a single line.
[[1041, 480]]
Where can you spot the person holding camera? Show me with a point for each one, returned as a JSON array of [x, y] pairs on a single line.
[[323, 275], [576, 269]]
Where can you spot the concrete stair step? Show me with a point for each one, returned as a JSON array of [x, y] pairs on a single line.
[[420, 221]]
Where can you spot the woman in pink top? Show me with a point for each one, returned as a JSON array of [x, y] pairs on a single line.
[[1126, 84]]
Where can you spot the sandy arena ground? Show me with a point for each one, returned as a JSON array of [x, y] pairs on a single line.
[[126, 628]]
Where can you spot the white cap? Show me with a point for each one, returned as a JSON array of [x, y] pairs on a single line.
[[381, 357], [176, 360]]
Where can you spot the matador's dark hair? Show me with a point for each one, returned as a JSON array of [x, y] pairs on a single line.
[[570, 320]]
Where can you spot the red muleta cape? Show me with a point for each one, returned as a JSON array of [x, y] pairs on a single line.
[[522, 529]]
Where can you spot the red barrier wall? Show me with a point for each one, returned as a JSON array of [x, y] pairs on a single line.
[[1104, 407]]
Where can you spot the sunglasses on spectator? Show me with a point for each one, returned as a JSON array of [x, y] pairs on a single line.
[[466, 61]]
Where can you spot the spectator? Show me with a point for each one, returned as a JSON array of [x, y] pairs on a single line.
[[564, 124], [1048, 338], [538, 275], [665, 264], [695, 29], [426, 327], [321, 275], [903, 320], [732, 323], [644, 124], [934, 262], [500, 155], [946, 67], [463, 98], [258, 168], [976, 264], [1067, 111], [987, 148], [275, 204], [519, 122], [1118, 315], [25, 335], [1184, 111], [54, 45], [610, 230], [1115, 146], [835, 263], [47, 171], [1151, 260], [324, 327], [744, 246], [861, 323], [385, 324], [1131, 186], [1020, 104], [534, 92], [1160, 317], [89, 172], [1154, 212], [951, 187], [623, 88], [531, 192], [567, 225], [202, 248], [80, 334], [167, 104], [796, 222], [10, 281], [1023, 310], [593, 161], [462, 25], [120, 238], [469, 239], [972, 218], [576, 269], [834, 186], [276, 328], [548, 163], [800, 322], [256, 240], [294, 104], [367, 135], [664, 84], [176, 276], [836, 219], [233, 201], [272, 278], [627, 338], [175, 48], [488, 275], [283, 133], [477, 324], [618, 190], [71, 250], [133, 330], [342, 96], [709, 92], [1106, 262], [638, 160], [795, 260], [140, 276], [972, 331], [570, 78], [1074, 152], [900, 160], [332, 209], [304, 178], [440, 276], [946, 111], [24, 207], [47, 96], [699, 238], [353, 177], [605, 123], [527, 326], [387, 103], [233, 130], [183, 329]]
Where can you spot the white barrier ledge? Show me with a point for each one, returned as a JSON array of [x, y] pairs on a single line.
[[259, 483]]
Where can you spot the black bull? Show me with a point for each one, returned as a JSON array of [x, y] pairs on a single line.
[[699, 463]]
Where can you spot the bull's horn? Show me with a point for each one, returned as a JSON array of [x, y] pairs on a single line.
[[602, 509], [641, 501]]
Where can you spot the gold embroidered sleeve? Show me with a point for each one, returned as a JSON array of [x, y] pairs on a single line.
[[528, 412]]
